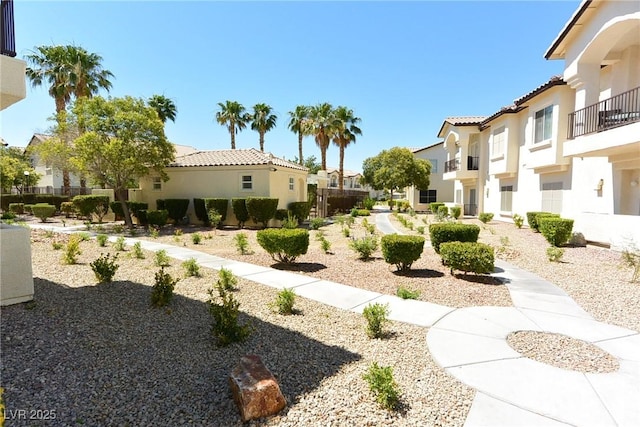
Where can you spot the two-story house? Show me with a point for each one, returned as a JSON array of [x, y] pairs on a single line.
[[439, 190]]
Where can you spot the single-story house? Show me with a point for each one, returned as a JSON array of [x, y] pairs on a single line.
[[240, 173]]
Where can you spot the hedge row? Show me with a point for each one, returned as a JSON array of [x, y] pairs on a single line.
[[452, 232], [31, 199]]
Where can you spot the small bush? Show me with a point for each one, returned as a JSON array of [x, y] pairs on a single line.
[[28, 208], [376, 316], [220, 205], [102, 239], [346, 232], [456, 211], [401, 250], [214, 218], [67, 209], [485, 217], [105, 267], [532, 219], [161, 259], [557, 231], [435, 206], [518, 220], [226, 328], [191, 268], [554, 254], [119, 244], [316, 223], [452, 232], [242, 243], [383, 386], [406, 293], [162, 291], [368, 203], [420, 229], [84, 236], [157, 218], [284, 301], [354, 212], [261, 209], [290, 222], [154, 232], [138, 253], [325, 245], [89, 205], [176, 209], [364, 246], [281, 214], [240, 211], [8, 216], [300, 210], [443, 212], [196, 238], [468, 257], [226, 280], [16, 208], [284, 245], [43, 211], [57, 246], [631, 258], [72, 250]]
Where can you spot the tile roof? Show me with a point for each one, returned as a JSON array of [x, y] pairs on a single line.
[[509, 109], [415, 150], [241, 157], [553, 81], [465, 120], [346, 173]]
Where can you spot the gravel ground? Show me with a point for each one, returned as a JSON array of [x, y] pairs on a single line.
[[100, 355]]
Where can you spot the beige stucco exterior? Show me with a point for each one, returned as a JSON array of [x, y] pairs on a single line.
[[13, 86], [437, 156]]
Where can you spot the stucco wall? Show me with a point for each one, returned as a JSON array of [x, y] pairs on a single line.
[[444, 189], [16, 277]]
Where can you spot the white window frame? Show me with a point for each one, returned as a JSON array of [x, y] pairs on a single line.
[[292, 183], [506, 198], [243, 182], [156, 183], [498, 141], [434, 165], [544, 116]]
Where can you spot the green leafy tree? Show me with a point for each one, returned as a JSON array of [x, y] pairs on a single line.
[[232, 115], [164, 106], [13, 165], [395, 169], [310, 163], [345, 134], [262, 121], [299, 124], [323, 127], [123, 141]]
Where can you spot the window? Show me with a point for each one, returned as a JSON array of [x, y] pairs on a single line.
[[434, 165], [157, 183], [458, 197], [334, 181], [497, 146], [543, 124], [247, 182], [428, 196], [552, 197], [506, 198], [291, 183]]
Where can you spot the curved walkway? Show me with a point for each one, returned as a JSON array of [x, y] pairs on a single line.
[[470, 343]]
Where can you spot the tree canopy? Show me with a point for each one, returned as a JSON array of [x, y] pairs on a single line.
[[263, 120], [164, 106], [13, 165], [233, 115], [395, 169]]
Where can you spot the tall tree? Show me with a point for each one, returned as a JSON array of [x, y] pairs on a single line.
[[262, 121], [395, 169], [345, 134], [70, 71], [299, 123], [164, 106], [322, 125], [232, 115], [16, 170], [123, 141]]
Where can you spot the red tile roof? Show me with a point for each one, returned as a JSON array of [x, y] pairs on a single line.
[[241, 157]]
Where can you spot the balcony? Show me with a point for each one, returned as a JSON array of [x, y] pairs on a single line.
[[453, 169], [608, 128], [13, 86]]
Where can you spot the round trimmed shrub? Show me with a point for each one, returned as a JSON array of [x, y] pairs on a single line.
[[556, 230], [90, 204], [452, 232], [16, 208], [43, 211], [300, 210], [401, 250], [261, 209], [468, 257], [158, 218], [532, 219], [67, 209], [240, 211], [485, 217], [176, 208], [284, 244], [435, 206], [455, 211]]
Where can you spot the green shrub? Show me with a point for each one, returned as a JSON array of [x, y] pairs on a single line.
[[406, 293], [220, 205], [50, 199], [518, 220], [363, 212], [456, 211], [242, 243], [10, 216], [325, 245], [346, 232], [67, 209], [300, 210], [354, 212], [364, 246], [316, 223], [376, 316], [435, 206], [468, 257], [371, 229], [402, 250], [420, 229], [191, 268], [176, 208], [284, 245], [57, 246], [532, 219], [161, 259], [284, 302], [91, 204], [105, 267], [631, 258], [281, 214], [137, 250], [134, 209], [226, 328], [102, 239], [240, 211], [16, 208], [452, 232], [383, 386], [443, 212], [119, 244], [368, 203], [556, 230], [196, 238], [226, 280], [157, 218], [261, 209], [84, 236], [485, 217], [43, 211], [391, 203], [154, 232], [162, 291], [214, 218], [290, 221], [28, 208], [554, 254]]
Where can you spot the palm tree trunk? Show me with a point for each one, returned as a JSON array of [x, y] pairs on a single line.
[[300, 148], [341, 172], [232, 131], [262, 142], [66, 182]]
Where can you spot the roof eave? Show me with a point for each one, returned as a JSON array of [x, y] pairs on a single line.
[[551, 52]]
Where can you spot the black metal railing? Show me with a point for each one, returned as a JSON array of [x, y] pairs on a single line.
[[611, 113], [470, 210], [473, 163], [7, 33], [452, 165]]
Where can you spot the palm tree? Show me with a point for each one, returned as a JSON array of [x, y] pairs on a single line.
[[262, 121], [345, 134], [232, 115], [299, 124], [322, 125], [164, 106], [70, 71]]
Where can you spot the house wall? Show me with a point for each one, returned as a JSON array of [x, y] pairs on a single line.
[[444, 189]]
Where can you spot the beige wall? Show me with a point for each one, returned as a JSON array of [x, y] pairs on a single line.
[[13, 87], [16, 278], [444, 189]]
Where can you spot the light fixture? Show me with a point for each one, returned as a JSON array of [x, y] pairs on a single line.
[[600, 185], [272, 169]]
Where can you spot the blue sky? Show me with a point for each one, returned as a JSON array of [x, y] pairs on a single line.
[[401, 66]]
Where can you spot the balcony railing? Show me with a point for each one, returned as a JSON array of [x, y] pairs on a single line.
[[473, 163], [452, 165], [611, 113], [7, 34]]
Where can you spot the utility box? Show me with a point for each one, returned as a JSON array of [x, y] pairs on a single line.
[[16, 274]]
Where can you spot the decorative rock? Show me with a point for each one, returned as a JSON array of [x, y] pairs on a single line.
[[255, 389]]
